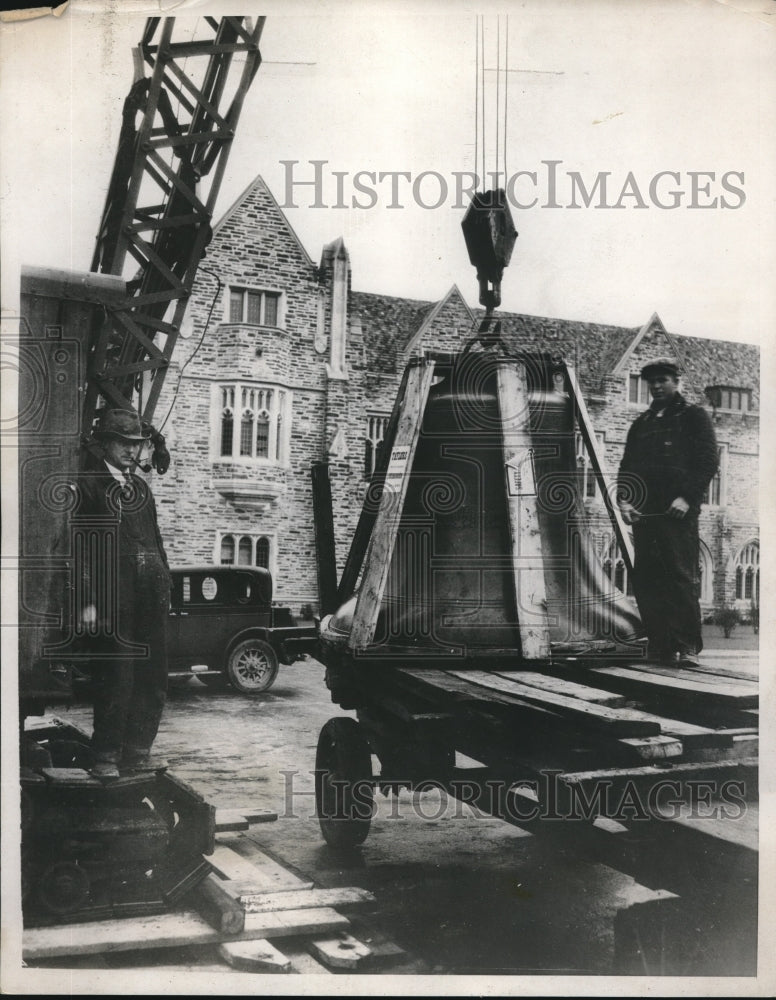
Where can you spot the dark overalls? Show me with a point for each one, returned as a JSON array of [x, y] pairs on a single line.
[[668, 454]]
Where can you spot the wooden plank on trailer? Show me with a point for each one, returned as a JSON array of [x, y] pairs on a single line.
[[613, 721], [732, 695], [524, 526], [712, 677], [379, 554], [653, 747], [548, 682], [168, 930], [689, 733], [302, 899]]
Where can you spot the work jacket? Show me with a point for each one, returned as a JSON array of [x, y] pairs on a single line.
[[668, 454]]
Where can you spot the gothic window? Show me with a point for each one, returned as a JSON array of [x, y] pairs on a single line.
[[250, 550], [588, 485], [262, 552], [715, 492], [376, 426], [748, 573], [227, 550], [707, 575], [260, 414], [254, 307], [615, 569]]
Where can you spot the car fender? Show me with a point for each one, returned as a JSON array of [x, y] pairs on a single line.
[[252, 633]]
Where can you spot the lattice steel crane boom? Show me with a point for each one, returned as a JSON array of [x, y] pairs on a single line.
[[177, 130]]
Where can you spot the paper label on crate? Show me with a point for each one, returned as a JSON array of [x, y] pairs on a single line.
[[397, 467], [521, 477]]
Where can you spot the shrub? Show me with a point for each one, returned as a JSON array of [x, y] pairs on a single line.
[[727, 618]]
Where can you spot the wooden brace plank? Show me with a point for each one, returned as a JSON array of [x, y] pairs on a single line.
[[525, 530], [386, 528]]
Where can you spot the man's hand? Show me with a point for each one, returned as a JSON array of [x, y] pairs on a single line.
[[629, 513], [678, 508], [89, 615]]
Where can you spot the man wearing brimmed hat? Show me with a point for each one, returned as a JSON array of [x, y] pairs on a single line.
[[670, 458], [126, 598]]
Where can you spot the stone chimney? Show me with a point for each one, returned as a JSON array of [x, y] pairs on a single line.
[[335, 275]]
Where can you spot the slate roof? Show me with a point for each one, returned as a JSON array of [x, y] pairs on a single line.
[[389, 324]]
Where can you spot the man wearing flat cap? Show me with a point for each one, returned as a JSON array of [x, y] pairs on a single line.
[[124, 598], [670, 458]]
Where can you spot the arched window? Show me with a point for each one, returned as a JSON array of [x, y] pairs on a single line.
[[748, 573], [244, 551], [252, 421], [227, 550], [615, 569], [227, 420], [262, 552], [707, 575]]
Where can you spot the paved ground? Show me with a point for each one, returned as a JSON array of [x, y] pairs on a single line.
[[460, 894]]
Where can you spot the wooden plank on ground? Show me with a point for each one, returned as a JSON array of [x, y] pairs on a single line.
[[732, 695], [254, 956], [559, 685], [386, 527], [301, 899], [613, 721], [522, 506], [341, 952], [691, 734], [170, 930], [230, 820], [260, 874]]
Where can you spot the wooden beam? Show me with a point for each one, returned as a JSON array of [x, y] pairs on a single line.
[[368, 515], [168, 930], [614, 721], [386, 528], [218, 906], [605, 484], [547, 682], [525, 530], [325, 551], [303, 899]]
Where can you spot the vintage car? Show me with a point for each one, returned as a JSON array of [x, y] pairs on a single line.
[[224, 627]]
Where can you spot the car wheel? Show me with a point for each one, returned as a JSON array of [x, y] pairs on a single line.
[[344, 787], [252, 666]]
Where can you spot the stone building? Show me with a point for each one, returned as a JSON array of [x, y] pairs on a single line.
[[282, 364]]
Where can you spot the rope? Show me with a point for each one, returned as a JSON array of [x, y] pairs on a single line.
[[506, 94], [482, 68], [498, 88], [476, 95]]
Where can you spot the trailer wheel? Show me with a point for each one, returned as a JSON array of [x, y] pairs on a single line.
[[344, 790], [252, 666]]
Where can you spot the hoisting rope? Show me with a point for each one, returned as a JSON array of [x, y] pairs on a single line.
[[487, 226]]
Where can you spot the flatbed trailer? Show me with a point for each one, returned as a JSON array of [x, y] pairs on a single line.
[[651, 772]]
